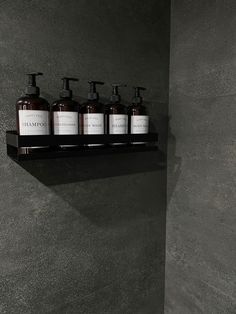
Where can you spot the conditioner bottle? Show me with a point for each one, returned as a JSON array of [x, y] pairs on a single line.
[[65, 112]]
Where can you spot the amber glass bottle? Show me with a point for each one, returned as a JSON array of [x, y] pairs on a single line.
[[116, 118], [32, 112], [92, 113], [138, 117], [65, 112]]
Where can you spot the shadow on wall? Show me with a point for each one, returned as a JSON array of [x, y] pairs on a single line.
[[69, 170], [87, 198], [173, 166], [105, 204]]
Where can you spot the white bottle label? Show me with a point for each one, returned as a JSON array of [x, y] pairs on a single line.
[[93, 123], [118, 124], [34, 122], [139, 124], [65, 122]]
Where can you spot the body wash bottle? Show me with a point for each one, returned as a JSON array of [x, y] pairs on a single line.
[[138, 117], [92, 113], [65, 112], [32, 112], [116, 114]]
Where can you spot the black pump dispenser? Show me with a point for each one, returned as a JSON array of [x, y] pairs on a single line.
[[93, 95], [32, 89], [115, 97], [66, 92], [137, 97]]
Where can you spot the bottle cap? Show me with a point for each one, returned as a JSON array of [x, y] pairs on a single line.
[[137, 99], [32, 89], [66, 92], [93, 94], [115, 97]]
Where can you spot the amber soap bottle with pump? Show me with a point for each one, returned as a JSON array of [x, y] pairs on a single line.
[[32, 111], [65, 111], [116, 114], [138, 117], [92, 113]]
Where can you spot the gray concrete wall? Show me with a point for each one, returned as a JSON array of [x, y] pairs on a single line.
[[201, 268], [83, 236]]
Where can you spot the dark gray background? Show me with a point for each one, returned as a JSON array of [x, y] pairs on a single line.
[[88, 236], [91, 237], [201, 268]]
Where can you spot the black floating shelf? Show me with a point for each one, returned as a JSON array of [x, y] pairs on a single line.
[[16, 145]]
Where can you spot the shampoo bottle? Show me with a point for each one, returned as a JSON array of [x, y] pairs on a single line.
[[32, 112], [116, 114], [92, 113], [65, 112], [138, 117]]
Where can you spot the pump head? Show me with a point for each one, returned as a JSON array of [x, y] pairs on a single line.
[[66, 92], [115, 97], [93, 95], [32, 89], [137, 97]]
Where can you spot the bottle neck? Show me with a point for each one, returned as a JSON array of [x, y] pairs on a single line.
[[65, 98], [32, 95], [115, 102], [93, 100], [139, 104]]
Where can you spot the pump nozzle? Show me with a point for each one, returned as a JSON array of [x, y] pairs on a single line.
[[32, 89], [93, 95], [115, 97], [66, 92], [137, 97]]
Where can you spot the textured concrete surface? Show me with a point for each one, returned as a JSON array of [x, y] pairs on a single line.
[[94, 244], [201, 217]]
